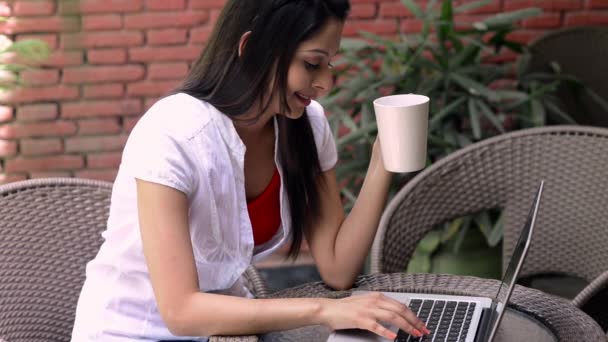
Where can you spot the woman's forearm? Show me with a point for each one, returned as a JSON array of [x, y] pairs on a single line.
[[205, 314], [357, 232]]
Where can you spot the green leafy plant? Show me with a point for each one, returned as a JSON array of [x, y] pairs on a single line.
[[471, 99], [16, 57]]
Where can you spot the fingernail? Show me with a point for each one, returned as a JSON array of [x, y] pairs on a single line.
[[417, 333], [427, 331]]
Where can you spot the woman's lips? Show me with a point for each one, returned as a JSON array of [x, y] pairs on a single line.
[[304, 99]]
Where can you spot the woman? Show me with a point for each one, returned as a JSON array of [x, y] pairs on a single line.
[[235, 164]]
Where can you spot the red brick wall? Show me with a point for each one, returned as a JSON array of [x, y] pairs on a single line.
[[112, 58]]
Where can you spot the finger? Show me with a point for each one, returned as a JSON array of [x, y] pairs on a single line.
[[379, 329], [397, 320], [402, 309]]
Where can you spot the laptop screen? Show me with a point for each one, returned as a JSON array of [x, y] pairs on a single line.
[[509, 278]]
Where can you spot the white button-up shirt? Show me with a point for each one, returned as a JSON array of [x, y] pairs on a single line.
[[186, 144]]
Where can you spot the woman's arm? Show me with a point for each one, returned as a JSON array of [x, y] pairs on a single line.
[[163, 218], [340, 245]]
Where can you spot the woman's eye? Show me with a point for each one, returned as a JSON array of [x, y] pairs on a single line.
[[311, 66]]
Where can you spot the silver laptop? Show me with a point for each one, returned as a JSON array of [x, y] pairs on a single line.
[[457, 318]]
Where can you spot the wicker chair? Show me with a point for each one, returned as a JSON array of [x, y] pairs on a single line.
[[504, 172], [49, 229], [579, 51]]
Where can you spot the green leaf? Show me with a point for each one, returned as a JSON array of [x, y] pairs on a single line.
[[443, 61], [514, 46], [555, 67], [14, 67], [430, 8], [471, 6], [414, 8], [553, 108], [355, 85], [473, 87], [358, 134], [429, 85], [346, 119], [348, 194], [367, 115], [353, 44], [463, 140], [499, 38], [466, 56], [466, 224], [456, 40], [504, 95], [419, 263], [30, 49], [597, 98], [549, 76], [522, 64], [482, 219], [495, 235], [350, 168], [447, 21], [506, 18], [490, 115], [474, 116], [445, 111], [451, 229], [430, 242], [440, 141], [376, 38], [538, 113]]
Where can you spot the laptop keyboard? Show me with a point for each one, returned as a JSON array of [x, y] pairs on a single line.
[[448, 321]]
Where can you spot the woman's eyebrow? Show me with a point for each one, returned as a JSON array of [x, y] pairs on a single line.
[[321, 51]]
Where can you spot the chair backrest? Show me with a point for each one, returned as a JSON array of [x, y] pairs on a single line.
[[581, 52], [49, 230], [504, 172]]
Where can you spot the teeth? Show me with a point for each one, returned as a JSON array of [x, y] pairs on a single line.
[[304, 97]]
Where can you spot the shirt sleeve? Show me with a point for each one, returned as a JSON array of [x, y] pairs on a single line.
[[324, 138], [157, 155]]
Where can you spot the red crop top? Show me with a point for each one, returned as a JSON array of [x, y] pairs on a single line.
[[265, 211]]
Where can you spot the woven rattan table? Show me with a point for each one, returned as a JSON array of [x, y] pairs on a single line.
[[532, 316]]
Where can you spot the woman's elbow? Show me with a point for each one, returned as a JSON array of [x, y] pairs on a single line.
[[177, 323], [338, 282]]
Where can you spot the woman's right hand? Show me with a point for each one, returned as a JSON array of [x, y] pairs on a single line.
[[368, 312]]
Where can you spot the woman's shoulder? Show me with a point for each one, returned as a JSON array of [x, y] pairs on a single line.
[[179, 115], [324, 139], [317, 118]]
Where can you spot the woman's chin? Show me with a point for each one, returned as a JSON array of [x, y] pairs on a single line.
[[294, 114]]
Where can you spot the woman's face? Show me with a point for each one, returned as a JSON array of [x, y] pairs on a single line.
[[310, 75]]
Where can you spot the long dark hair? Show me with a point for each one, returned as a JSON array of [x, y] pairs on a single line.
[[234, 84]]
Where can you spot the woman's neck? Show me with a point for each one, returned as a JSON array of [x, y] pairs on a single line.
[[250, 132]]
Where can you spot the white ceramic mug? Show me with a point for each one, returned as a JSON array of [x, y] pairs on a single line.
[[402, 129]]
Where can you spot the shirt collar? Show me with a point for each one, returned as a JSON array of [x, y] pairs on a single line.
[[232, 138], [227, 130]]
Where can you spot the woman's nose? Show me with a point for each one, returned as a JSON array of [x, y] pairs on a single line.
[[324, 81]]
